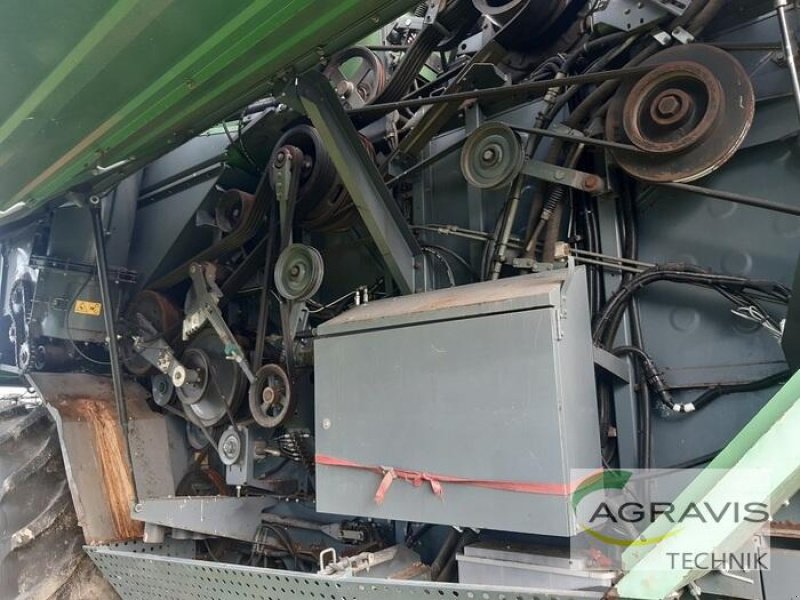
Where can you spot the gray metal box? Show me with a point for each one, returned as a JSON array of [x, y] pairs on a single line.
[[491, 382], [493, 563]]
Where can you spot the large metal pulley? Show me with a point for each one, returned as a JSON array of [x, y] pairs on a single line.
[[322, 202], [689, 115], [270, 397], [231, 210], [299, 272], [198, 362], [492, 156], [216, 386], [358, 76], [160, 314]]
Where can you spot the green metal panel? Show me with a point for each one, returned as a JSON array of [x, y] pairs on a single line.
[[767, 443], [89, 83]]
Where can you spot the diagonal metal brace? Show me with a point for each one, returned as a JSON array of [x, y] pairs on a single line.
[[386, 224], [768, 443], [206, 309]]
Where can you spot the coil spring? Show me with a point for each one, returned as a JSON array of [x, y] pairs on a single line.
[[555, 198]]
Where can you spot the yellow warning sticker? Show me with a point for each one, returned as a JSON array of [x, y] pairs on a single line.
[[85, 307]]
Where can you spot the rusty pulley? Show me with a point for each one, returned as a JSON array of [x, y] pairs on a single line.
[[358, 76], [689, 115]]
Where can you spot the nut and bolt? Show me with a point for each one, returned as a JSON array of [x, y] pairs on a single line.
[[591, 183], [669, 105]]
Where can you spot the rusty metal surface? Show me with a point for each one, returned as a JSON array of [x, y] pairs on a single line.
[[161, 313], [516, 293], [690, 114], [99, 474]]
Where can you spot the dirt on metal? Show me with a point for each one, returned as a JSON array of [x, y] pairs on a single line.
[[109, 446]]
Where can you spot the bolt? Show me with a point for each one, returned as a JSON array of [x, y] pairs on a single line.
[[559, 174], [344, 89], [669, 105], [268, 395], [489, 154], [591, 183], [326, 424], [229, 447]]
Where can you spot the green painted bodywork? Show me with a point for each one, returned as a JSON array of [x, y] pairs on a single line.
[[90, 83], [768, 444]]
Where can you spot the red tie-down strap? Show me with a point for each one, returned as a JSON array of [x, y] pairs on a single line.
[[417, 478]]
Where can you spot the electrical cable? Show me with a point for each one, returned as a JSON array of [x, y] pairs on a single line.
[[608, 321], [721, 390], [461, 260], [430, 251]]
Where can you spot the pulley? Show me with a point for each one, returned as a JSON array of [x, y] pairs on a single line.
[[492, 156], [529, 24], [229, 447], [162, 389], [318, 174], [195, 437], [323, 203], [689, 115], [299, 272], [20, 297], [218, 384], [161, 314], [270, 396], [358, 76], [231, 209], [52, 356]]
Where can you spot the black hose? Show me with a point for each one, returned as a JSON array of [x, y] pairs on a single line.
[[630, 225], [652, 375], [733, 288], [447, 573], [718, 391], [447, 549]]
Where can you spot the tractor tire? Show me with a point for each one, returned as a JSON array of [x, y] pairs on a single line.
[[41, 542]]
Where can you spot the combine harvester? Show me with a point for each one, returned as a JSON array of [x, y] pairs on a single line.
[[360, 299]]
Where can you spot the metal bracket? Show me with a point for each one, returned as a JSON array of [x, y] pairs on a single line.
[[434, 6], [386, 224], [286, 171], [611, 364], [235, 518], [207, 299], [579, 180], [158, 353], [683, 36], [662, 37], [629, 15]]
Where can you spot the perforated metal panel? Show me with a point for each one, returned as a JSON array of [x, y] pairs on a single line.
[[147, 576]]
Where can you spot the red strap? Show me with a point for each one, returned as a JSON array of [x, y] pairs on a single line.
[[417, 478]]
